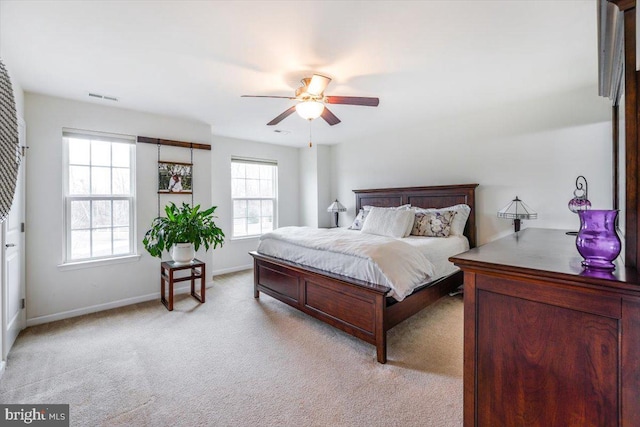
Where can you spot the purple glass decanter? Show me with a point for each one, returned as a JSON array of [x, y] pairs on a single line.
[[597, 240]]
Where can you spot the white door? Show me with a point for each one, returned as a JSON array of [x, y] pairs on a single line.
[[13, 268]]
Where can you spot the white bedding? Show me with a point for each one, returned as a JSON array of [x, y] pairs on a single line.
[[402, 264]]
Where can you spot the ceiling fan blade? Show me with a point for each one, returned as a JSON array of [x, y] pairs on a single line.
[[282, 116], [353, 100], [329, 117], [265, 96], [318, 84]]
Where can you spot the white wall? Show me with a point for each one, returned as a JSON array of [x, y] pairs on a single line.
[[325, 190], [534, 149], [234, 255], [52, 293], [18, 95], [315, 186], [308, 185]]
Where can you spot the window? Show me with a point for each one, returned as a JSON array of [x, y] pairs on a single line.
[[99, 191], [253, 190]]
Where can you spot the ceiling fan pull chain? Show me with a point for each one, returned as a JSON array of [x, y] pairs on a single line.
[[310, 144]]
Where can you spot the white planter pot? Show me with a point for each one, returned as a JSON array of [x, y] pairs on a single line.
[[182, 253]]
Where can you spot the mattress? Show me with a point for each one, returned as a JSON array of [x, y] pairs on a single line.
[[401, 264]]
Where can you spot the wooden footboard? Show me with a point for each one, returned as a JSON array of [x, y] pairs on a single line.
[[357, 308]]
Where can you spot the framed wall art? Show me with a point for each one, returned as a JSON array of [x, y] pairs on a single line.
[[175, 177]]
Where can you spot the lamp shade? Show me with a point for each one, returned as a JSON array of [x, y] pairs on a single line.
[[310, 109], [336, 207], [517, 209]]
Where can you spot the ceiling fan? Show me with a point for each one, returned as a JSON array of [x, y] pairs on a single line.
[[311, 101]]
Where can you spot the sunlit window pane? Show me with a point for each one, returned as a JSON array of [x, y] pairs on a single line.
[[267, 224], [120, 213], [101, 213], [121, 241], [80, 214], [238, 188], [120, 181], [267, 208], [79, 180], [239, 208], [266, 188], [253, 229], [238, 170], [253, 171], [253, 188], [100, 153], [80, 244], [120, 155], [101, 242], [266, 172], [79, 152], [100, 180], [253, 208]]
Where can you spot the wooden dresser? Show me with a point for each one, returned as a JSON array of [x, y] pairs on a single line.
[[546, 343]]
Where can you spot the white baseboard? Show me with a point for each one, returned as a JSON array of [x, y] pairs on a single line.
[[232, 270], [107, 306]]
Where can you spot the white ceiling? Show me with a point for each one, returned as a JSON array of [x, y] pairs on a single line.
[[193, 59]]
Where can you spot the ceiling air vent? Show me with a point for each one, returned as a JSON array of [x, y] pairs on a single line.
[[283, 132], [108, 98]]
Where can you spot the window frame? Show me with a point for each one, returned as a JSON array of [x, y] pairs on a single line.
[[69, 198], [273, 199]]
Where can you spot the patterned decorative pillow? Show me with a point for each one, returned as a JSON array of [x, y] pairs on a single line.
[[359, 220], [433, 224], [459, 222]]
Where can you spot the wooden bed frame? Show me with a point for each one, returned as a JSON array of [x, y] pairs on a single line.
[[356, 307]]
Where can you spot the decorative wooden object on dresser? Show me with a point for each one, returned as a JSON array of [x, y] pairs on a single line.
[[547, 343]]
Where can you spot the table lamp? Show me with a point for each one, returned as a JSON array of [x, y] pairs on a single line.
[[336, 207], [517, 210]]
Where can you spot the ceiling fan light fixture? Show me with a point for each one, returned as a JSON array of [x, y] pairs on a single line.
[[310, 109]]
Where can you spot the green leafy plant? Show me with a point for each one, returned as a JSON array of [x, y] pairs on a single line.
[[183, 225]]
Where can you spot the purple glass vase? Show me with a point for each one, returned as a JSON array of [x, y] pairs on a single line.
[[597, 240]]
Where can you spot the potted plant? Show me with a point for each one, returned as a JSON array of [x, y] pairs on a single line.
[[183, 231]]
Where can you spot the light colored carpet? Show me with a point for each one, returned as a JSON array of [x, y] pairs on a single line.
[[238, 361]]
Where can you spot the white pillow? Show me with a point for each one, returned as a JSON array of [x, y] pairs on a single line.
[[459, 221], [388, 222], [364, 211]]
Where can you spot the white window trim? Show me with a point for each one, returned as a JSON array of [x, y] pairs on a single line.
[[276, 210], [69, 264], [79, 265]]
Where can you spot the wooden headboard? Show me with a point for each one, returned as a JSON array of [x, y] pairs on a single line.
[[439, 196]]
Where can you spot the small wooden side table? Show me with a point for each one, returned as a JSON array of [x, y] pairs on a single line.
[[167, 270]]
